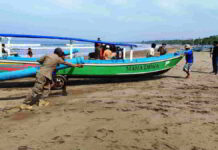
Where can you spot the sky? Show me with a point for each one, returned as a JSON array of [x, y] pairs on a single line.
[[111, 20]]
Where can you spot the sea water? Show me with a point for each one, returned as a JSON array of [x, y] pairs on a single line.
[[43, 47]]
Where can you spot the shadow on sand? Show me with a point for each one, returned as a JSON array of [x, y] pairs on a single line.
[[16, 84], [201, 72], [86, 81], [12, 98], [77, 82]]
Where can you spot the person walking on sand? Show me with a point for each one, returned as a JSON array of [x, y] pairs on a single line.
[[44, 76], [214, 53], [213, 60], [189, 60]]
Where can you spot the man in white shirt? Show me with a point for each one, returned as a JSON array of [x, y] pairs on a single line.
[[151, 50]]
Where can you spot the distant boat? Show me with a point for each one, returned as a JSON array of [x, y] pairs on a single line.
[[202, 48]]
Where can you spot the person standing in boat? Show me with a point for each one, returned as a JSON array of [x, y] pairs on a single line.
[[162, 49], [108, 54], [189, 60], [30, 53], [5, 52], [44, 76], [3, 49], [151, 50], [97, 50]]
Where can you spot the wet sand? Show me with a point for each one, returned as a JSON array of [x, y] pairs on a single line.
[[166, 112]]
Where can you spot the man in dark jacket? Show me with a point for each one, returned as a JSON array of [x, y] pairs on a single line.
[[215, 57], [162, 49]]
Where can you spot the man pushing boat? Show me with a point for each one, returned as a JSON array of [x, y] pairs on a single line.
[[44, 76]]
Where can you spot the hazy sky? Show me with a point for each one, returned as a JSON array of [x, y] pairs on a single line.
[[113, 20]]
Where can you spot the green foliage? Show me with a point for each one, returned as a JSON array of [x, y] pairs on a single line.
[[199, 41]]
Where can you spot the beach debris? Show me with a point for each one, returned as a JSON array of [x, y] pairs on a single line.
[[18, 108], [43, 103], [26, 107], [11, 109], [58, 139], [24, 148], [197, 148]]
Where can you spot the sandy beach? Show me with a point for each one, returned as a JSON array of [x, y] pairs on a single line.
[[166, 112]]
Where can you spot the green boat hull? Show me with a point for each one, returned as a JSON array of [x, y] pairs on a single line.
[[122, 69]]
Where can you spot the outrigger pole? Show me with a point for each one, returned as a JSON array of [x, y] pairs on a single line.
[[65, 38]]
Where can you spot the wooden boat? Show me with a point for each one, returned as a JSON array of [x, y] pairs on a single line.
[[124, 68], [92, 68]]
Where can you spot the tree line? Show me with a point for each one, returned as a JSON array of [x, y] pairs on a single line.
[[198, 41]]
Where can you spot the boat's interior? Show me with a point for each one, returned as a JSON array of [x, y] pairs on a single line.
[[98, 61]]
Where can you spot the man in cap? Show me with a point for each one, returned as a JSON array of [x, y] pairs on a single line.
[[44, 76], [189, 60], [107, 53]]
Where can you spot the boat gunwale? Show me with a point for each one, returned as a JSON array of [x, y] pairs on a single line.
[[127, 64], [97, 64]]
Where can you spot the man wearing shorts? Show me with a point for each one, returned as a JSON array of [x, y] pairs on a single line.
[[189, 60]]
